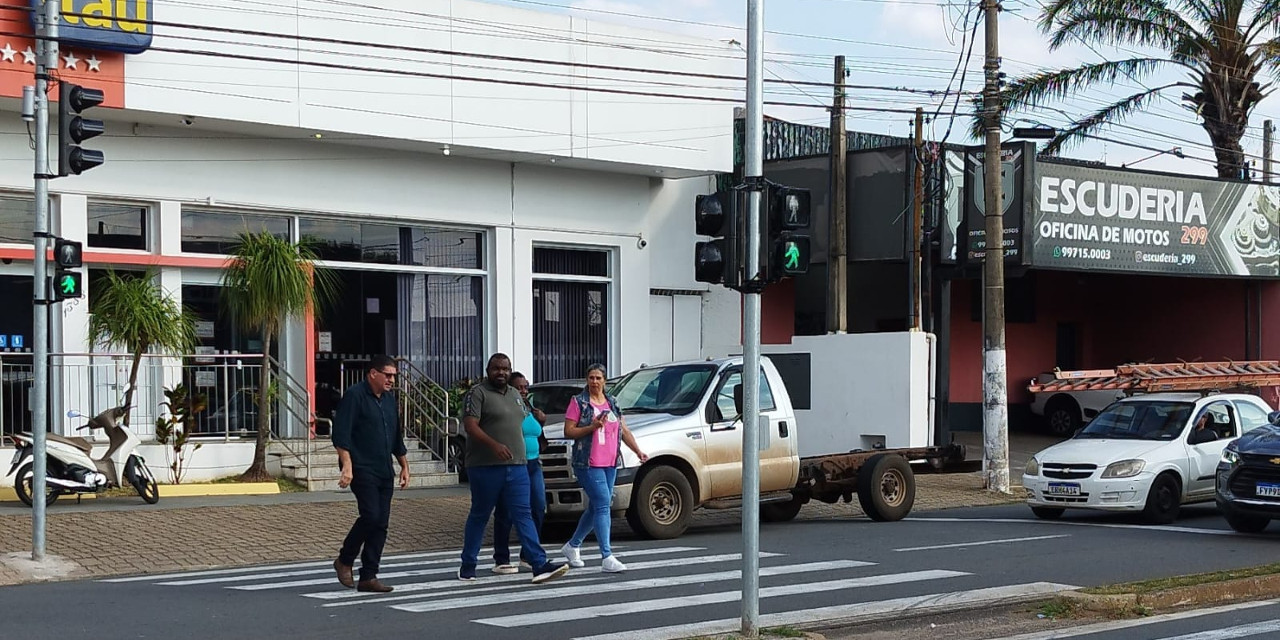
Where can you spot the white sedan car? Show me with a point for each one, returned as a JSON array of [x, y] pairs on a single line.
[[1150, 453]]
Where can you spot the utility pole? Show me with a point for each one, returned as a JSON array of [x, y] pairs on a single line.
[[753, 174], [995, 409], [1267, 129], [46, 59], [917, 221], [838, 238]]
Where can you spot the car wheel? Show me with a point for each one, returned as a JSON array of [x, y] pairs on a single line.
[[1163, 500], [1248, 524], [1063, 417], [1048, 513]]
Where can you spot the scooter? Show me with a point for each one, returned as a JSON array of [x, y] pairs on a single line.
[[71, 470]]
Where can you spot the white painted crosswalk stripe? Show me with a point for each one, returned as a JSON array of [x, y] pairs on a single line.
[[627, 585], [666, 604], [1238, 631], [274, 567]]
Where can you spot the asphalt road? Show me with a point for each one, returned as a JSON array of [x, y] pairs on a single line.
[[817, 569]]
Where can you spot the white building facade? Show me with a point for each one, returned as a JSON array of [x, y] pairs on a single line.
[[478, 178]]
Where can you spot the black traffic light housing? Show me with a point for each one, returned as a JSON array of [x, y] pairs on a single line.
[[73, 129], [718, 261], [67, 282], [786, 249]]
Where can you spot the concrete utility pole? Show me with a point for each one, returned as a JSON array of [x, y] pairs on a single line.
[[753, 171], [838, 238], [995, 409], [46, 59], [1267, 129], [917, 222]]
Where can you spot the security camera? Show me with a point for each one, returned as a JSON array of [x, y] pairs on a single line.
[[642, 243]]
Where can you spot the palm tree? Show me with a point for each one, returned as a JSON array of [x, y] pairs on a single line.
[[268, 281], [1218, 47], [134, 313]]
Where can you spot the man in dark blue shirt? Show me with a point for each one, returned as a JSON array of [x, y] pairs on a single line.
[[366, 433]]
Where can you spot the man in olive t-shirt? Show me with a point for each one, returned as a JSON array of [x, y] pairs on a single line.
[[496, 468]]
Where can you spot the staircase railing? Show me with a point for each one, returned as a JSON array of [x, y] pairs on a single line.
[[424, 410], [293, 404]]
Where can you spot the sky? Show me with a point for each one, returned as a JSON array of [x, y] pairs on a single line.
[[920, 44]]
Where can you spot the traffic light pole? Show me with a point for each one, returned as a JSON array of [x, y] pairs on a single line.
[[753, 170], [45, 61]]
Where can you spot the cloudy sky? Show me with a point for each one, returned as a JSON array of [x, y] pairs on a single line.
[[919, 44]]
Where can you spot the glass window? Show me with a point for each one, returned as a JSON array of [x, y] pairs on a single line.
[[1139, 420], [17, 219], [345, 241], [1251, 416], [724, 396], [570, 262], [380, 243], [331, 239], [219, 231], [676, 389], [118, 226], [446, 248]]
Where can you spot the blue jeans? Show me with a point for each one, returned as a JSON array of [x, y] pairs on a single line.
[[597, 482], [510, 484], [502, 523]]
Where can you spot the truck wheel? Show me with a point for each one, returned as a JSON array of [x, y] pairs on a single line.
[[886, 488], [780, 511], [1063, 416], [662, 504], [1163, 500]]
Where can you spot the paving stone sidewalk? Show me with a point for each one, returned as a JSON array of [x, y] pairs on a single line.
[[135, 541]]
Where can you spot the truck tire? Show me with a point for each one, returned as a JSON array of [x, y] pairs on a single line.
[[662, 504], [1062, 416], [886, 487], [780, 511]]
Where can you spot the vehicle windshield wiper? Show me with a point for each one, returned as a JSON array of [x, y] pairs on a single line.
[[645, 410]]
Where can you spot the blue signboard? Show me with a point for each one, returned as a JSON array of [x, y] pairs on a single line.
[[104, 25], [16, 341], [4, 341]]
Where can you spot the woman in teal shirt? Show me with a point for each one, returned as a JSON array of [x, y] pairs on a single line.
[[533, 421]]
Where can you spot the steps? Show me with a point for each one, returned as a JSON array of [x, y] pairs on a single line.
[[425, 471]]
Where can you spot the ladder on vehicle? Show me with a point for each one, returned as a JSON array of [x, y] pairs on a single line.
[[1205, 377]]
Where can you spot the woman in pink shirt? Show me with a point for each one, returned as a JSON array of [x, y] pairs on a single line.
[[595, 424]]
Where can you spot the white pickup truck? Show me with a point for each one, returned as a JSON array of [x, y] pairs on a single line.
[[686, 418]]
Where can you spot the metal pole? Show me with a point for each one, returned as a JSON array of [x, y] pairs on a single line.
[[917, 217], [837, 257], [1267, 129], [753, 168], [46, 60], [995, 410]]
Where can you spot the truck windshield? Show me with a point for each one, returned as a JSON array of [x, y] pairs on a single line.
[[676, 389], [1154, 420]]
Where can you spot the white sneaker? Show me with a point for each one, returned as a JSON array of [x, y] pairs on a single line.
[[505, 569], [573, 555], [612, 565]]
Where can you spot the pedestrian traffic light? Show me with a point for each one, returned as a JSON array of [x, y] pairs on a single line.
[[66, 279], [74, 129], [717, 261], [787, 252]]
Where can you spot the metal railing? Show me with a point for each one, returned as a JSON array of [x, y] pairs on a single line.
[[424, 408]]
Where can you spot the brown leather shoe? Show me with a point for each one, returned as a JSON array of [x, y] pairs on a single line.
[[344, 574], [373, 586]]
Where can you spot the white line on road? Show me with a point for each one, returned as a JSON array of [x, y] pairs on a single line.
[[1104, 627], [314, 582], [667, 604], [1239, 631], [880, 608], [1140, 527], [982, 542], [628, 585]]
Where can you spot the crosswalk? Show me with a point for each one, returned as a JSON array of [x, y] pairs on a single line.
[[667, 592]]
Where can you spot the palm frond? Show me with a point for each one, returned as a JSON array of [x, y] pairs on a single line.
[[1114, 112], [133, 312], [1264, 17], [1037, 88], [270, 280], [1116, 26]]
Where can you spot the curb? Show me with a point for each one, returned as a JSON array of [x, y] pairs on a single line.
[[7, 494], [1192, 595]]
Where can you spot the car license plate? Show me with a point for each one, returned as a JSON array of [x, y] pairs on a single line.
[[1267, 490], [1063, 489]]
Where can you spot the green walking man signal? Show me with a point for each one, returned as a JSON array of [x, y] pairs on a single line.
[[792, 256]]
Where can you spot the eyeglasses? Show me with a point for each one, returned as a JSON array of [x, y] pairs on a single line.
[[391, 375]]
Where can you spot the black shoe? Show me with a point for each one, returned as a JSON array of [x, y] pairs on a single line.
[[549, 571]]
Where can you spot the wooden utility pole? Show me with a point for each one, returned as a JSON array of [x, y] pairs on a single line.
[[838, 236], [917, 221], [1267, 128], [995, 408]]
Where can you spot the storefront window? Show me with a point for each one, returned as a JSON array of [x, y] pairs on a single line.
[[117, 226], [219, 231], [17, 219], [343, 241], [570, 316]]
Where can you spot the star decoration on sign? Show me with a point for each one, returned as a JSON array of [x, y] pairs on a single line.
[[7, 53], [28, 56], [72, 61], [93, 63]]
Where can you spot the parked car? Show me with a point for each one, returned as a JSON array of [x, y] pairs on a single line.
[[1248, 478], [1064, 412], [1142, 454]]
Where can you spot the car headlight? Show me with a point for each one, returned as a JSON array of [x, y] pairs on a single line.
[[1124, 469], [1230, 456], [1033, 467]]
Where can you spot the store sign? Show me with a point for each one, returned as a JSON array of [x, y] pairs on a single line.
[[104, 25], [1016, 167], [1089, 218]]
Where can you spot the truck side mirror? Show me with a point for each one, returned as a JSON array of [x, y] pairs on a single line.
[[737, 398]]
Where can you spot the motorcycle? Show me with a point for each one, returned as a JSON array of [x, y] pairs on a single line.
[[71, 470]]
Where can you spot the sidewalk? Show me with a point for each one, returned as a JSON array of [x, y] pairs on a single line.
[[115, 536]]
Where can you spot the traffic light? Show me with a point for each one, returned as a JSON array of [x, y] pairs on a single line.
[[717, 261], [787, 251], [66, 278], [74, 129]]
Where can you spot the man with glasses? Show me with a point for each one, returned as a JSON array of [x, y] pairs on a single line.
[[366, 434]]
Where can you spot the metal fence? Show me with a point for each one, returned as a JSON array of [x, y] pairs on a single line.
[[91, 383]]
